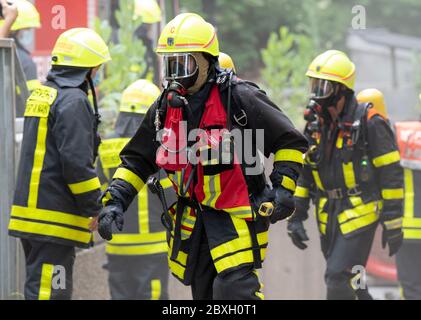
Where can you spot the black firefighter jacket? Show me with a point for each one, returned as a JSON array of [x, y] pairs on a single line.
[[362, 190], [57, 186], [281, 138]]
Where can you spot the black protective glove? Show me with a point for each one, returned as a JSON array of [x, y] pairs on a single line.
[[284, 204], [297, 233], [393, 238], [113, 211], [282, 200], [116, 199]]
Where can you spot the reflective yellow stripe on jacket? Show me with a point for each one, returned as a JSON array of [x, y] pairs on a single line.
[[301, 192], [411, 224], [50, 223], [85, 186], [238, 251], [386, 159], [290, 155], [359, 217], [130, 177]]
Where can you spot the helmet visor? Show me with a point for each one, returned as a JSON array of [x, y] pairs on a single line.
[[320, 88], [179, 66]]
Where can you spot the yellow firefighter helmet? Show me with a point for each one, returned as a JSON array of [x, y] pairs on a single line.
[[225, 61], [188, 32], [80, 47], [28, 16], [139, 96], [148, 10], [376, 98], [333, 65]]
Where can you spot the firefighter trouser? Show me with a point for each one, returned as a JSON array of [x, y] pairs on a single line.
[[345, 258], [49, 270], [140, 277], [408, 262], [238, 284]]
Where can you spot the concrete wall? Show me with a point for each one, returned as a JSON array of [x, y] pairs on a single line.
[[375, 67]]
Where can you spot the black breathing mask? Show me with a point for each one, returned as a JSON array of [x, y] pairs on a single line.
[[176, 95]]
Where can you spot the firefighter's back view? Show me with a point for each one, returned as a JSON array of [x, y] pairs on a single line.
[[137, 260], [57, 185]]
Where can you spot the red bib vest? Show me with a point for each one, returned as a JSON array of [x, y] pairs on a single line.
[[217, 185]]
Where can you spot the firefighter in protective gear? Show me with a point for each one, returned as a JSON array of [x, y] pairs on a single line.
[[352, 174], [28, 18], [216, 239], [150, 13], [57, 186], [225, 61], [137, 261], [8, 16], [408, 259]]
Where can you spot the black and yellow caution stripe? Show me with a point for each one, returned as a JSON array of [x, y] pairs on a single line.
[[137, 244], [238, 251], [46, 282], [130, 177], [177, 266], [50, 223], [290, 155], [85, 186], [301, 192], [386, 159], [411, 224]]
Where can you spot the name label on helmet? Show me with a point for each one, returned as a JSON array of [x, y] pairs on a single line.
[[40, 101]]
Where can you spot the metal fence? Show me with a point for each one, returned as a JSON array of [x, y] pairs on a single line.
[[13, 94]]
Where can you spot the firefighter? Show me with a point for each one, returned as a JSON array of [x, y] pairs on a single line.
[[57, 186], [226, 62], [28, 18], [408, 259], [150, 13], [137, 262], [8, 15], [351, 173], [216, 241]]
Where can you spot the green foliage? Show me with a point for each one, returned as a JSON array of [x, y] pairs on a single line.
[[286, 59], [244, 26], [128, 62]]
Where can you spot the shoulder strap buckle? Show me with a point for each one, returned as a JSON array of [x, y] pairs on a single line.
[[354, 191], [241, 118], [221, 79]]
